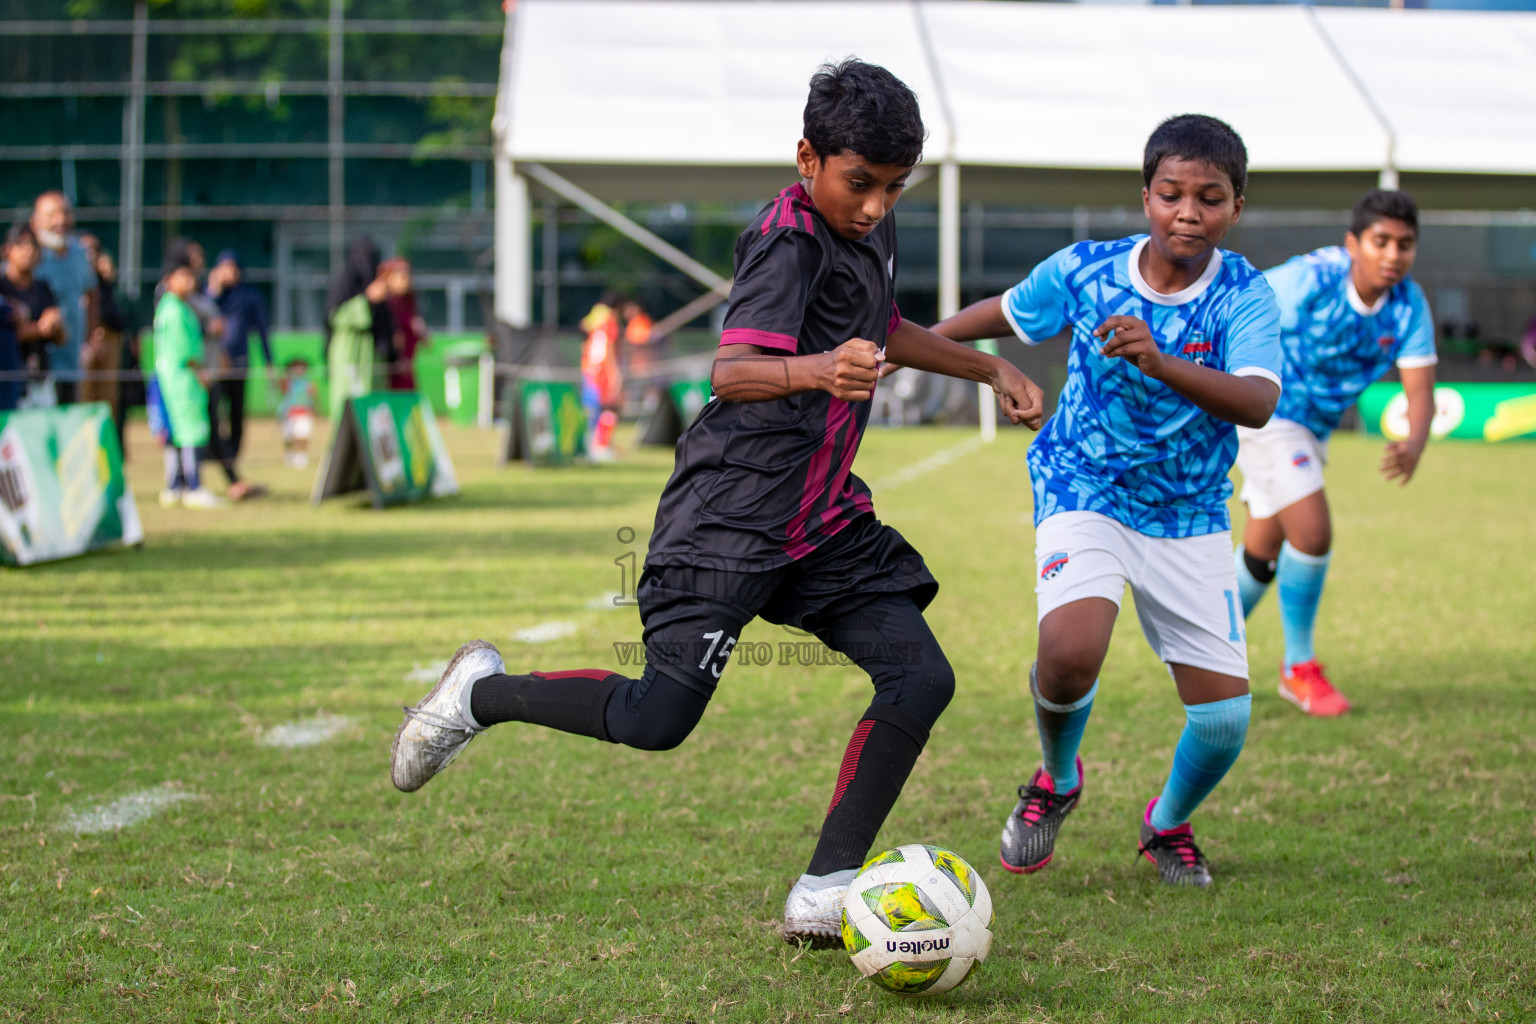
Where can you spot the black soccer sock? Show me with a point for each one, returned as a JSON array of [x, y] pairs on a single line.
[[569, 701], [1261, 569], [880, 756]]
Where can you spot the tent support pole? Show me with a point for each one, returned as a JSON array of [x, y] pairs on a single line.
[[647, 240], [514, 246], [949, 281]]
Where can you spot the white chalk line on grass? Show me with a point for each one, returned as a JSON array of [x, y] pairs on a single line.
[[126, 810], [425, 673], [306, 733], [922, 467], [545, 632]]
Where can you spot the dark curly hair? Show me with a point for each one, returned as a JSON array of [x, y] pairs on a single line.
[[862, 108]]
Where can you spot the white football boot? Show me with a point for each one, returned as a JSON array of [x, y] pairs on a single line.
[[813, 914], [440, 726]]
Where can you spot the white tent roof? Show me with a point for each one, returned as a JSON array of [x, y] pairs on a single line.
[[607, 81], [686, 83], [1062, 85], [1458, 88]]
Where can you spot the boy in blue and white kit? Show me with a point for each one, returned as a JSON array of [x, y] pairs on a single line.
[[1173, 342], [1347, 314]]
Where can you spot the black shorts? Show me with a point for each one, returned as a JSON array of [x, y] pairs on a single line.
[[693, 617]]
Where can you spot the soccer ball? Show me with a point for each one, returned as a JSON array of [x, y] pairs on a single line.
[[917, 920]]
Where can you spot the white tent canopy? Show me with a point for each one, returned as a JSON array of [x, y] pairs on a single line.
[[687, 99]]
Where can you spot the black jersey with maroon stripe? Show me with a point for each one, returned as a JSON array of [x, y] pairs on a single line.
[[760, 484]]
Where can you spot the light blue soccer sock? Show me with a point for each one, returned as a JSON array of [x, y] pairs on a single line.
[[1061, 733], [1212, 738], [1300, 578], [1249, 587]]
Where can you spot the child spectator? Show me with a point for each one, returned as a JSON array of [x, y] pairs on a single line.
[[296, 412], [182, 384], [39, 324]]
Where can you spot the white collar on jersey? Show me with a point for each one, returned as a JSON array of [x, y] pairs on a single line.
[[1178, 298], [1357, 303]]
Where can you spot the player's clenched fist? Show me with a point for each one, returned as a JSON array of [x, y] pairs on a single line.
[[851, 369], [1128, 338], [1022, 400]]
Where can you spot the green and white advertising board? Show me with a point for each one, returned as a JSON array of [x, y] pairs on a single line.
[[62, 491], [1479, 412], [388, 444], [667, 413], [546, 424]]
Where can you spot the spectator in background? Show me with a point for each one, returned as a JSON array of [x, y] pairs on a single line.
[[66, 269], [357, 323], [12, 375], [102, 360], [296, 412], [410, 329], [241, 310], [215, 369], [602, 386], [36, 315], [182, 380], [639, 350]]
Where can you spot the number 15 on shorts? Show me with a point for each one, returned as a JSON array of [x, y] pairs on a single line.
[[719, 653]]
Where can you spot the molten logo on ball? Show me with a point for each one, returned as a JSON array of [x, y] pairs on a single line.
[[917, 920]]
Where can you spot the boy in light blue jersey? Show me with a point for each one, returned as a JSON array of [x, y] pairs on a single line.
[[1173, 342], [1347, 315]]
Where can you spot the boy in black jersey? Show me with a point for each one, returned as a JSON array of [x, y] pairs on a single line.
[[763, 516]]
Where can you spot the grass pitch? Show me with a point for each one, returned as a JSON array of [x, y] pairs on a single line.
[[1373, 868]]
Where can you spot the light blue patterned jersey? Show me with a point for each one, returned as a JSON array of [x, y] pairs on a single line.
[[1120, 443], [1334, 344]]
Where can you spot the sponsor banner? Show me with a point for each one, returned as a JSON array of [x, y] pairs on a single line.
[[546, 424], [1480, 412], [62, 491], [387, 443], [670, 411], [690, 397]]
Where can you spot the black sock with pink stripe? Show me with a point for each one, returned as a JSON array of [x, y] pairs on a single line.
[[880, 756], [569, 701]]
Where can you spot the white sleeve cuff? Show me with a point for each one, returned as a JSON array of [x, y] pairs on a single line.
[[1008, 315], [1417, 362], [1259, 371]]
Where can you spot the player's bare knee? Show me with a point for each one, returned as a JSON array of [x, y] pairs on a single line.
[[1315, 540], [1065, 675]]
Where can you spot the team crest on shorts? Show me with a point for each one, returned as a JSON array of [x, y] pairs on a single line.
[[1053, 566], [1301, 460], [1197, 349]]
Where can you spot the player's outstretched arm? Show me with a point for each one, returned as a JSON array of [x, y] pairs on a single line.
[[1402, 457], [922, 349], [742, 373], [1245, 401], [976, 322]]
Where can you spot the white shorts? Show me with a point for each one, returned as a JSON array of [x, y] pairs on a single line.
[[1185, 587], [1281, 462], [298, 425]]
